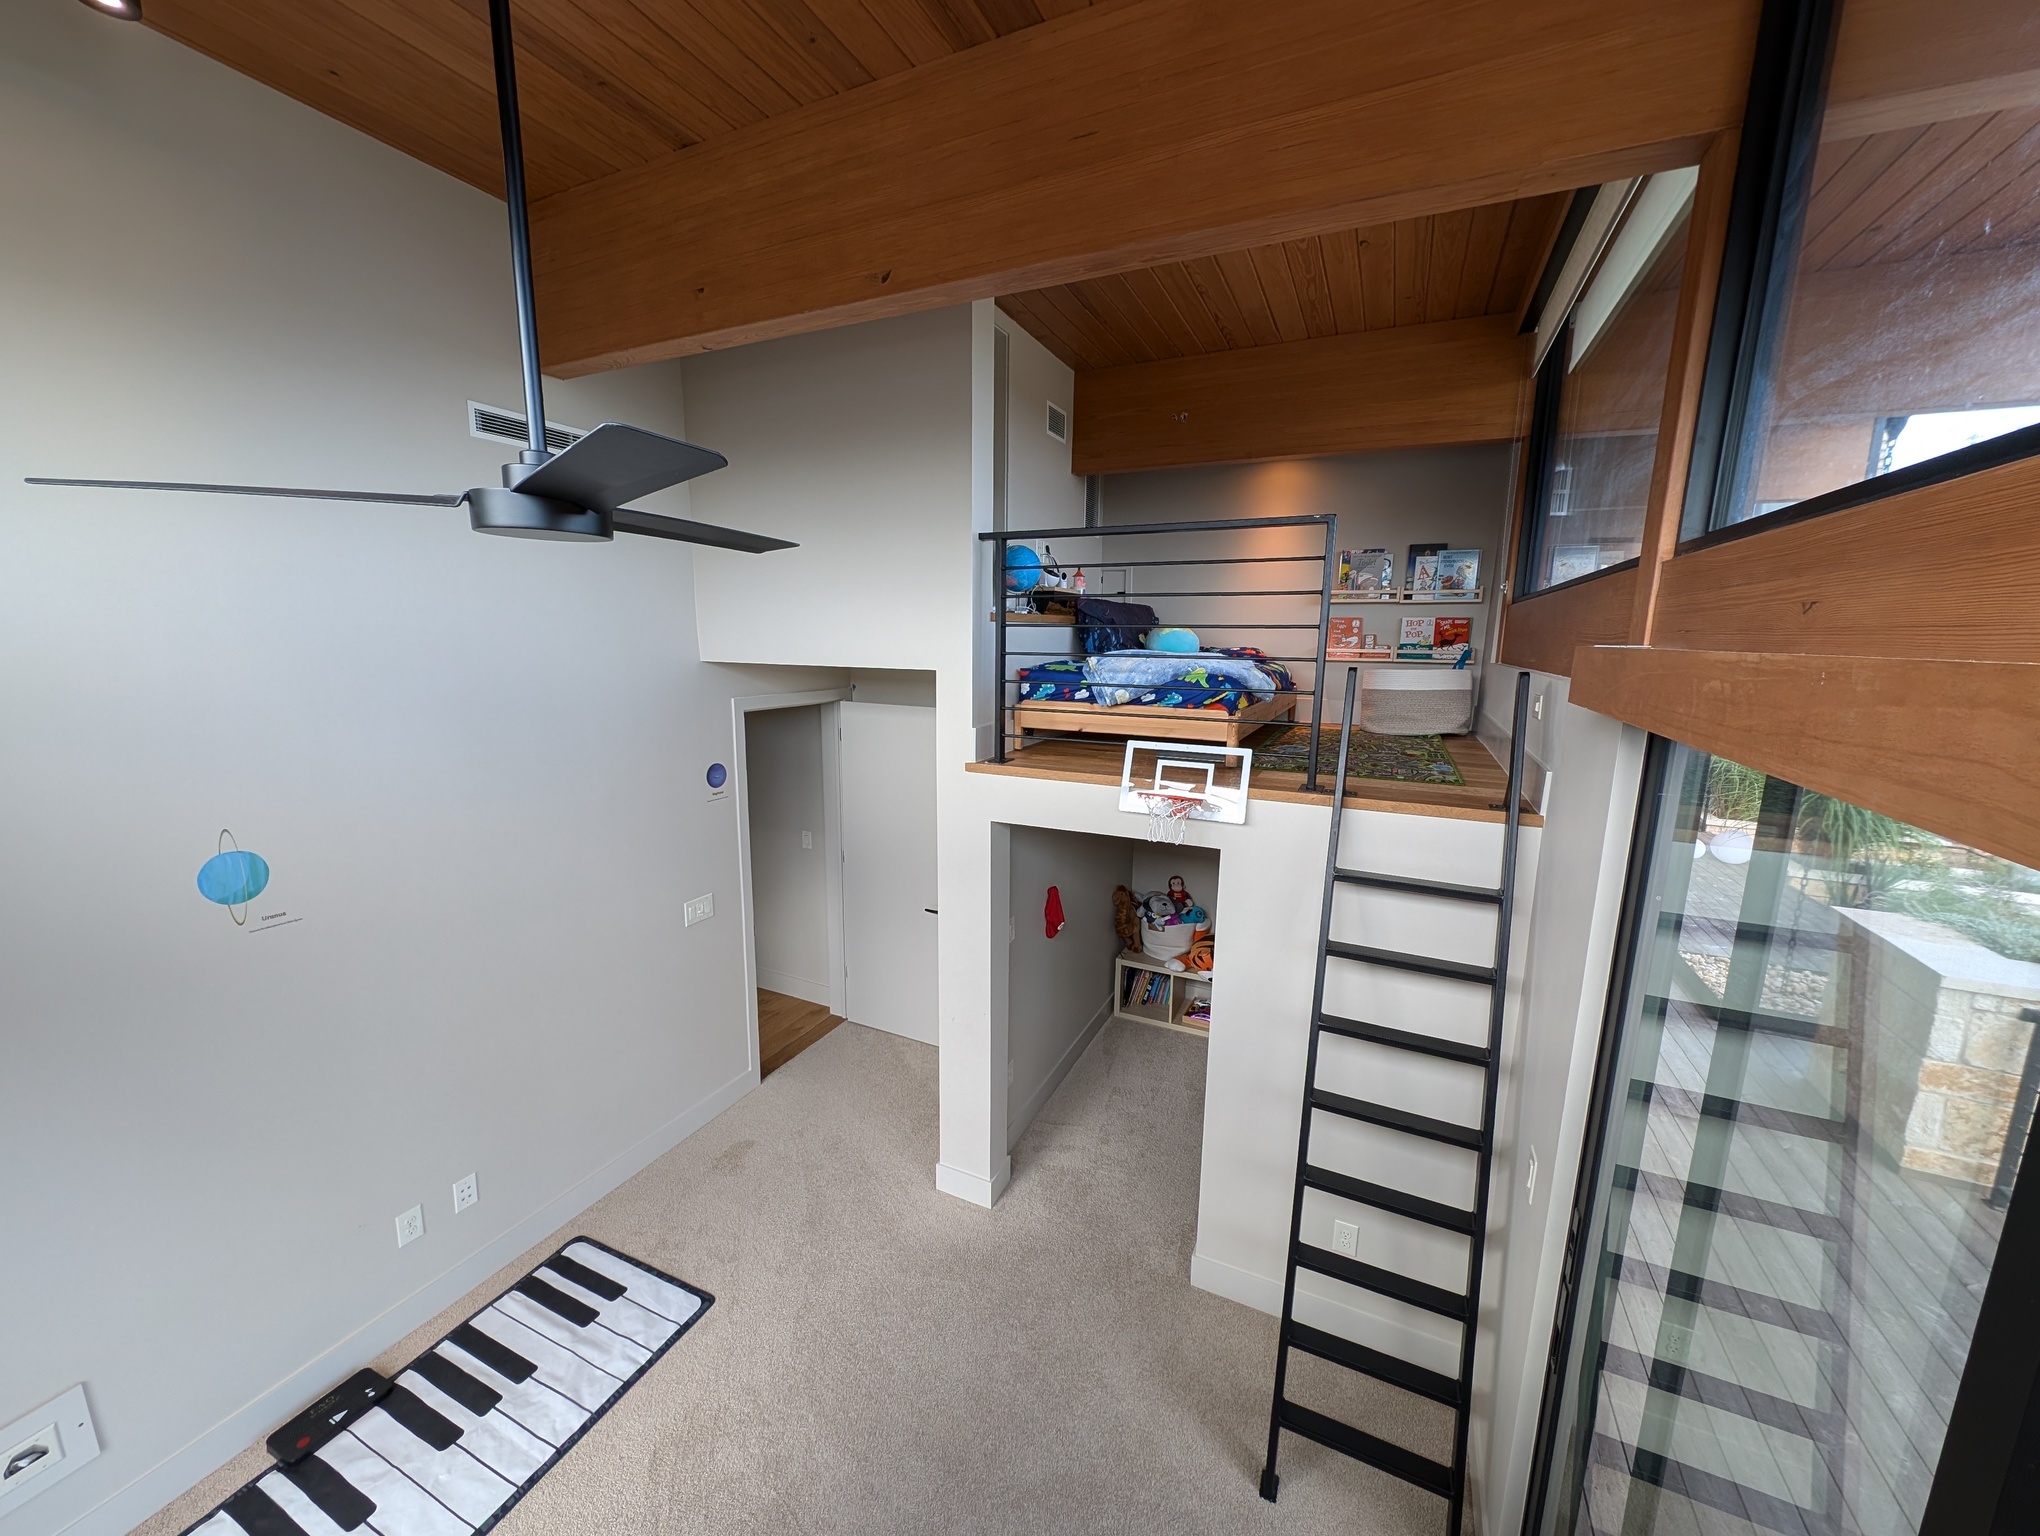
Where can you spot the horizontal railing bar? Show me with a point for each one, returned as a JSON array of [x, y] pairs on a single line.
[[1128, 565], [1215, 525]]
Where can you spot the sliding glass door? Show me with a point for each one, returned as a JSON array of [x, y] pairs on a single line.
[[1814, 1095]]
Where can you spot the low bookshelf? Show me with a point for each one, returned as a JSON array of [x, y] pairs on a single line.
[[1146, 991]]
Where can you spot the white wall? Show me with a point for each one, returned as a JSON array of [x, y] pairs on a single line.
[[789, 888], [1058, 990], [1596, 764], [474, 765], [1040, 490]]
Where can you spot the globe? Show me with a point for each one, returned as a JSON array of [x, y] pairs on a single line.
[[1023, 569]]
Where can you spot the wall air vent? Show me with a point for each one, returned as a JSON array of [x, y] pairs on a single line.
[[501, 426], [1058, 422]]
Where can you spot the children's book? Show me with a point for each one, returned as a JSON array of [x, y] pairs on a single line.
[[1450, 636], [1419, 634], [1368, 572], [1423, 567], [1459, 570]]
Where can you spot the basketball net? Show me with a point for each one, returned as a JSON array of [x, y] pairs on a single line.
[[1168, 813]]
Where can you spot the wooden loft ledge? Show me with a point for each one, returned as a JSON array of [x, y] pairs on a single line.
[[1480, 798]]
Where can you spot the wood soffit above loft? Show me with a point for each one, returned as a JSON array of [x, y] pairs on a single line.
[[605, 85], [1448, 266]]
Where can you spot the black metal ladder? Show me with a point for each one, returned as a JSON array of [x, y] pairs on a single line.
[[1463, 1306]]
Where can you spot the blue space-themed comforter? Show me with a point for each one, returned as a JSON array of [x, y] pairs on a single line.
[[1225, 680]]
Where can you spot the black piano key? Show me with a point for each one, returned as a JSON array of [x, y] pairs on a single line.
[[472, 1395], [259, 1515], [558, 1302], [586, 1278], [341, 1502], [504, 1361], [421, 1419]]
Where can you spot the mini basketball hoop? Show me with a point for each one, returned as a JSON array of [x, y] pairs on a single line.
[[1168, 813]]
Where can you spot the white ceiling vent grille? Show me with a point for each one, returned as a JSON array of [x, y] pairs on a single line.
[[501, 426], [1058, 423]]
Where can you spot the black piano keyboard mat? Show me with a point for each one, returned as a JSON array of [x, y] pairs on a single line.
[[480, 1417]]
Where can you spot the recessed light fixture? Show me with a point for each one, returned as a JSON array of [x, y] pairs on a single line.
[[125, 10]]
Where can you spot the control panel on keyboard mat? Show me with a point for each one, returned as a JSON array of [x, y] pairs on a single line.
[[449, 1445]]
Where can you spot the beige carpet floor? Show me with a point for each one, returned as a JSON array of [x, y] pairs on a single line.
[[884, 1358]]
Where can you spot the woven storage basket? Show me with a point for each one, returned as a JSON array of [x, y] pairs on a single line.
[[1416, 701]]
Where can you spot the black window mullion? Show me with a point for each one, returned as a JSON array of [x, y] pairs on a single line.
[[1767, 213]]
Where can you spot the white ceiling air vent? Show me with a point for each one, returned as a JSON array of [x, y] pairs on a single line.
[[1058, 422], [501, 426]]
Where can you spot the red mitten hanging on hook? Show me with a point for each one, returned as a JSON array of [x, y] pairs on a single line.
[[1052, 912]]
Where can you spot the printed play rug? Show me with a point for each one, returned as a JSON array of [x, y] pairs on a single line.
[[468, 1427], [1404, 759]]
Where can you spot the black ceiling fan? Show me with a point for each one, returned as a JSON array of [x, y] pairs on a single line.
[[579, 493]]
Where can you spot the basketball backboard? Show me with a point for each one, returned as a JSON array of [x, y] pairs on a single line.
[[1217, 775]]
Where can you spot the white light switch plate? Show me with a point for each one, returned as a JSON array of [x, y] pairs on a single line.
[[699, 910], [62, 1429]]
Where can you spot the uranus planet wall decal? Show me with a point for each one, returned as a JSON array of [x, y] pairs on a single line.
[[233, 877]]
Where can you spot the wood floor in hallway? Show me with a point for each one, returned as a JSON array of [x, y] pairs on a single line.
[[786, 1027]]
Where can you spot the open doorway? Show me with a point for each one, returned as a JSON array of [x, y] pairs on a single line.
[[794, 842]]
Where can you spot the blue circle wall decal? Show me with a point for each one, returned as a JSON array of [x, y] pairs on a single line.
[[233, 878], [717, 775]]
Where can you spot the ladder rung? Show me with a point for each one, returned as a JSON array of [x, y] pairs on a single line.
[[1416, 887], [1382, 1198], [1383, 1282], [1428, 965], [1397, 1372], [1466, 1136], [1404, 1039], [1430, 1475]]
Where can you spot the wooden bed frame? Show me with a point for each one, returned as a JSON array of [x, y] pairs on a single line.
[[1151, 723]]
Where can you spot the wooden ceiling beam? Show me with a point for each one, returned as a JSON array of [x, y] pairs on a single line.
[[1454, 381], [1126, 135]]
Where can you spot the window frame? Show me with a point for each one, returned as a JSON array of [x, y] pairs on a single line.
[[1768, 202]]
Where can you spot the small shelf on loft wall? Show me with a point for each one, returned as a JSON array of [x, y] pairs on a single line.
[[1391, 599], [1391, 660]]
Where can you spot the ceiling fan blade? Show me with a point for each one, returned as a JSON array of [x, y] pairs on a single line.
[[399, 498], [616, 464], [694, 533]]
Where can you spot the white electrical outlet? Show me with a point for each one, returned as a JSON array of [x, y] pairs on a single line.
[[699, 910], [464, 1194], [807, 839], [411, 1225], [1346, 1239]]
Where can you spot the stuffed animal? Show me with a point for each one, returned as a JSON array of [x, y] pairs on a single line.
[[1126, 919], [1179, 894]]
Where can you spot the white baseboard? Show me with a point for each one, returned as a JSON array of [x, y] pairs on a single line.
[[975, 1188], [1017, 1120], [1261, 1292], [794, 986], [127, 1507]]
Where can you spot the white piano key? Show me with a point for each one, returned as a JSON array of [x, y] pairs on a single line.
[[558, 1367], [594, 1343], [497, 1442], [402, 1508], [292, 1501], [638, 1324], [452, 1476], [544, 1411], [647, 1290]]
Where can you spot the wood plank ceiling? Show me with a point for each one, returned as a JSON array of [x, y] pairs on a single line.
[[604, 84], [1453, 266]]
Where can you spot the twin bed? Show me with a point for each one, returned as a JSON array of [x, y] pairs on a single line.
[[1219, 696]]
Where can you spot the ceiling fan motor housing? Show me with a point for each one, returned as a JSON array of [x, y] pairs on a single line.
[[520, 515]]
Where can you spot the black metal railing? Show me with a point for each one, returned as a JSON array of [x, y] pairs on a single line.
[[1290, 621]]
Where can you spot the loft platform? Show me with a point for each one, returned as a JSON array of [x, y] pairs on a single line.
[[1134, 721], [1480, 798]]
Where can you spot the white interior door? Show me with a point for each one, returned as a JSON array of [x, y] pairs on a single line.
[[888, 779]]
